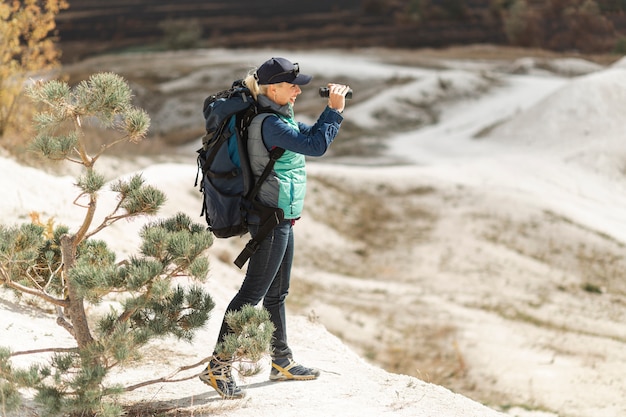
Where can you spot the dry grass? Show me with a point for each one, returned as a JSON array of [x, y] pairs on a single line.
[[596, 259]]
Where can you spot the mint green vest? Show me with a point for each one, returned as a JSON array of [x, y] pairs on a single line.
[[285, 187]]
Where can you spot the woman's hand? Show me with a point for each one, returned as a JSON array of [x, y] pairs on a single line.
[[337, 96]]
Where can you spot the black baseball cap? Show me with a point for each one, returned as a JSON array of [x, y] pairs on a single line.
[[281, 70]]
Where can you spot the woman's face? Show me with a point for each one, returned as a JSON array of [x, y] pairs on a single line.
[[283, 93]]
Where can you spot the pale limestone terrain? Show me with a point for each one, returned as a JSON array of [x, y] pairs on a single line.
[[466, 229]]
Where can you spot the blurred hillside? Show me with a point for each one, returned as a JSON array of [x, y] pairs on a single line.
[[92, 26]]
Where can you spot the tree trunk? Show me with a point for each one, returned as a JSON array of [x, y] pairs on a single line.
[[76, 307]]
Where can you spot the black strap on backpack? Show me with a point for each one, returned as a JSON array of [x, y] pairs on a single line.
[[270, 216]]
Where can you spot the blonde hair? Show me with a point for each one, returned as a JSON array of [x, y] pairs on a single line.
[[253, 85]]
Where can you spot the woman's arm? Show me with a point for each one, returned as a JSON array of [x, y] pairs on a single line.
[[310, 140]]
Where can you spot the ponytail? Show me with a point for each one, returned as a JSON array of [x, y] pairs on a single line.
[[252, 84]]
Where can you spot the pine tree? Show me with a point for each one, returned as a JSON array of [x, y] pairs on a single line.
[[70, 269]]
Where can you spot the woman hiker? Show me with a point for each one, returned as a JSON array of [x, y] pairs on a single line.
[[276, 84]]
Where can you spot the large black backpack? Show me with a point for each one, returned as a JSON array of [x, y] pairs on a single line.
[[227, 182]]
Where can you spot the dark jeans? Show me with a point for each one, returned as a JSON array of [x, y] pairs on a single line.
[[267, 279]]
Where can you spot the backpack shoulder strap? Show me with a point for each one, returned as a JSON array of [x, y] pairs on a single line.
[[270, 216]]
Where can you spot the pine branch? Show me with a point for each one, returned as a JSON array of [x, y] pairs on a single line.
[[168, 379], [124, 190], [107, 146], [109, 220], [32, 291], [53, 274], [87, 160], [64, 323], [82, 231], [128, 313], [45, 350]]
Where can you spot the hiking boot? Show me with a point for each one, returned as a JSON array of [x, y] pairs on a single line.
[[286, 369], [217, 375]]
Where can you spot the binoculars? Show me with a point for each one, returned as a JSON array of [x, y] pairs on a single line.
[[324, 92]]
